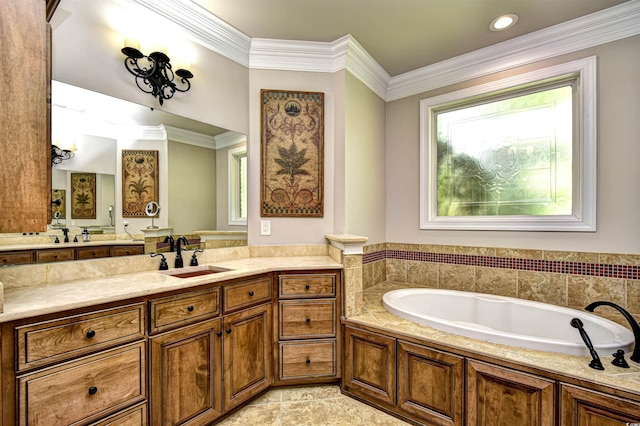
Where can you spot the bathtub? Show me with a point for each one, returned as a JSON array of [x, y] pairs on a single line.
[[506, 320]]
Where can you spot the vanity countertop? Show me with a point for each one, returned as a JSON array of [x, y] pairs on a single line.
[[62, 245], [374, 314], [25, 302]]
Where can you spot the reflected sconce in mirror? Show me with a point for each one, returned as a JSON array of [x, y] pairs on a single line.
[[59, 154], [154, 73]]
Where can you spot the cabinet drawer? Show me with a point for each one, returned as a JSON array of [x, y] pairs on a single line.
[[57, 340], [316, 285], [84, 390], [307, 319], [246, 293], [301, 360], [43, 256], [126, 250], [92, 252], [172, 311], [135, 416], [16, 258]]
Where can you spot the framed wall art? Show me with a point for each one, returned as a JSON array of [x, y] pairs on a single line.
[[292, 153], [59, 203], [139, 181], [83, 195]]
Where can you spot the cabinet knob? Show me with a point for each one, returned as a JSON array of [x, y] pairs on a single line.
[[219, 333], [93, 390], [251, 293], [90, 334], [308, 361], [308, 320], [228, 330], [307, 286], [190, 308]]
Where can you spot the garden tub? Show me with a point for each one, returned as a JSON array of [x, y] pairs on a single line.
[[507, 320]]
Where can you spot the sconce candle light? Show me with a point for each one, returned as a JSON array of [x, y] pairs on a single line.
[[59, 154], [154, 73]]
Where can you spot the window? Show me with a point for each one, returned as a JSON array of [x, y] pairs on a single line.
[[238, 186], [515, 154]]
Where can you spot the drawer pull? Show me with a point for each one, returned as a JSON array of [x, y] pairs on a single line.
[[90, 334], [93, 390], [228, 330], [190, 308], [308, 320], [308, 361], [219, 333], [307, 287], [251, 293]]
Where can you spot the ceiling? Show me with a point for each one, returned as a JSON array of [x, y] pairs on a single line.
[[401, 35]]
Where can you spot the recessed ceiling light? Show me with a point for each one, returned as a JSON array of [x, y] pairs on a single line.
[[503, 22]]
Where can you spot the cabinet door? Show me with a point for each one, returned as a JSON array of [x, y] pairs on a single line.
[[185, 375], [247, 354], [369, 366], [430, 384], [498, 396], [580, 407]]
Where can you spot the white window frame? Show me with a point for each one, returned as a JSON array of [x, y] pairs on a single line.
[[234, 186], [583, 217]]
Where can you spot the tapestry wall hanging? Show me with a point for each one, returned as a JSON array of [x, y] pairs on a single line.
[[139, 181], [83, 195], [59, 194], [292, 154]]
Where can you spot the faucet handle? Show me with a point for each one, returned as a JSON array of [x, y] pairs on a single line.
[[163, 262], [618, 359], [194, 259]]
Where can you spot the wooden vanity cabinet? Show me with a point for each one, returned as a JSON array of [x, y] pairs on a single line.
[[26, 153], [308, 313], [498, 396], [210, 350], [582, 407]]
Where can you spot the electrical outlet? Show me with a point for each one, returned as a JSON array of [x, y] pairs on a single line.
[[265, 227], [125, 222]]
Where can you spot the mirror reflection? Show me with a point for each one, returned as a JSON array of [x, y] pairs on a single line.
[[201, 170]]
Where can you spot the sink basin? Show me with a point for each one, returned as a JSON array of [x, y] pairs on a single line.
[[195, 271]]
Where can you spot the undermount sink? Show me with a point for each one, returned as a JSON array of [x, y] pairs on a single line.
[[195, 271]]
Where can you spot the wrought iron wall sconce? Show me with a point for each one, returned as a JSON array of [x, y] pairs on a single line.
[[59, 154], [154, 73]]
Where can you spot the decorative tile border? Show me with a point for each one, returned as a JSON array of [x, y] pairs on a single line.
[[556, 266]]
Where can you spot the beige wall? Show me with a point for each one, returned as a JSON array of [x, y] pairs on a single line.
[[618, 227], [364, 157], [192, 188]]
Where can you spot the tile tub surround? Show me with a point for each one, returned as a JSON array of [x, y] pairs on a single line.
[[560, 278], [311, 406], [567, 366]]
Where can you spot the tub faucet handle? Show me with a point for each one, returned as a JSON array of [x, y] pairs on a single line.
[[595, 361], [618, 359]]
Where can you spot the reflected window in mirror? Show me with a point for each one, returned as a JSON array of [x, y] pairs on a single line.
[[238, 186]]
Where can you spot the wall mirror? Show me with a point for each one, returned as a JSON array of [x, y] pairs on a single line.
[[201, 167]]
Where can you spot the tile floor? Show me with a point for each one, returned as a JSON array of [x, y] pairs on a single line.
[[312, 406]]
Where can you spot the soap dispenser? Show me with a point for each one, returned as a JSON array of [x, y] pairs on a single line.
[[85, 235]]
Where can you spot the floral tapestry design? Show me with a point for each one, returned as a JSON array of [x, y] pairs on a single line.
[[139, 181], [292, 154], [83, 195], [59, 206]]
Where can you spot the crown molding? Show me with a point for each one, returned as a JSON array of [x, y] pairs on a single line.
[[148, 133], [229, 138], [606, 26], [192, 138], [343, 53], [204, 28]]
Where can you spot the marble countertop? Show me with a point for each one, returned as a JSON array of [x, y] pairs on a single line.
[[62, 245], [25, 302], [374, 314]]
